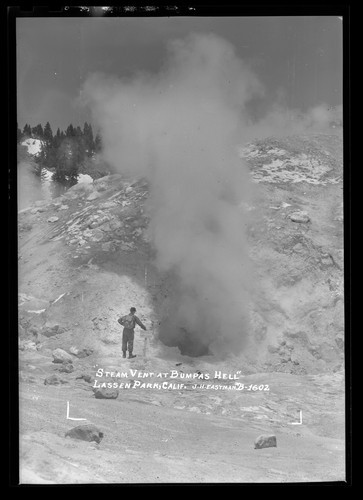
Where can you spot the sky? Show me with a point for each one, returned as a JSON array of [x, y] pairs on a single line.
[[297, 59]]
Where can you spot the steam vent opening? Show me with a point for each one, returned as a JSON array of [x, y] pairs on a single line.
[[188, 343]]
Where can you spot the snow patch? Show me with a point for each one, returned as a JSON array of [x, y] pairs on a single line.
[[33, 145], [300, 169], [84, 178]]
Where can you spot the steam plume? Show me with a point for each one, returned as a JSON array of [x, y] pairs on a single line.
[[180, 128]]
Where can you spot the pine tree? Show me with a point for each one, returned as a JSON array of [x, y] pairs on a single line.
[[48, 134], [70, 132], [37, 132], [57, 139], [27, 131], [60, 172]]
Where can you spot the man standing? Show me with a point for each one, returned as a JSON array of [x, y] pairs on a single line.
[[129, 322]]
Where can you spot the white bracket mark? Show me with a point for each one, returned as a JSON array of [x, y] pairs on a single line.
[[297, 423], [70, 418]]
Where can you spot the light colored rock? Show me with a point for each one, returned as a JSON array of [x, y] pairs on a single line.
[[27, 345], [300, 216], [53, 219], [298, 248], [63, 207], [265, 441], [73, 350], [61, 356], [80, 353]]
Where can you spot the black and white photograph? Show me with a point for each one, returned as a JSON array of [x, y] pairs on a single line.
[[181, 305]]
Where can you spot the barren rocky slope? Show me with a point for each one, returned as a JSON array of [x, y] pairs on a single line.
[[85, 257]]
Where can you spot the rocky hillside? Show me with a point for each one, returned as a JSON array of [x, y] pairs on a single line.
[[85, 258]]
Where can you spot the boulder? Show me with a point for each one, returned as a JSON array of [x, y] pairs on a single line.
[[51, 329], [61, 356], [54, 380], [106, 393], [86, 432], [80, 353], [300, 216], [66, 368], [265, 441], [53, 219]]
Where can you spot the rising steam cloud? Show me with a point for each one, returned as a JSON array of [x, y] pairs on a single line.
[[180, 128]]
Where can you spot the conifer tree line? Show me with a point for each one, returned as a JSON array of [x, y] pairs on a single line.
[[65, 153]]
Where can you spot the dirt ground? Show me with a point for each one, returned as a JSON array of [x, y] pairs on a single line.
[[81, 270], [188, 435]]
